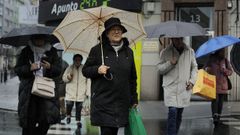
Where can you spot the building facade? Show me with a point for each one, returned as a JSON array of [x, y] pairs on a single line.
[[218, 17], [8, 21]]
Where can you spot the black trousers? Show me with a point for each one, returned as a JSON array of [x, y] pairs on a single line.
[[109, 130], [78, 106], [40, 129], [217, 104], [36, 121]]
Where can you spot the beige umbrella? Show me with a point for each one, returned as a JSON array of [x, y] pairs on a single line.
[[79, 30]]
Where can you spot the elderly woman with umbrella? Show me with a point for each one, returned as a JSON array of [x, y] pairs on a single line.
[[110, 64], [113, 84]]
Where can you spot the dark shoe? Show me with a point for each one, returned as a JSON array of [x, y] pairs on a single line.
[[68, 120], [216, 120], [63, 116], [79, 125]]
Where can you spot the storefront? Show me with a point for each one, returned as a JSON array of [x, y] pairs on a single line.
[[51, 12]]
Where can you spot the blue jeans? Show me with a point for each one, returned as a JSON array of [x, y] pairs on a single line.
[[174, 120]]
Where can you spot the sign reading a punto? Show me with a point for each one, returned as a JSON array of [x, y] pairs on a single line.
[[57, 9]]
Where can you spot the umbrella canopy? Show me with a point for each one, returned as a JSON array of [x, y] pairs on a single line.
[[215, 44], [21, 36], [174, 29], [80, 29]]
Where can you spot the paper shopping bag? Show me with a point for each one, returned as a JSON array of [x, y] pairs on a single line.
[[135, 126], [205, 85]]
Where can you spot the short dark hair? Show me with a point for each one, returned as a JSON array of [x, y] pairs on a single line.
[[77, 55]]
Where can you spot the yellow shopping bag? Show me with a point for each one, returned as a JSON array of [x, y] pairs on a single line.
[[205, 85]]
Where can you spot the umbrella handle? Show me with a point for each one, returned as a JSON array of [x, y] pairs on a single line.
[[108, 78], [101, 50]]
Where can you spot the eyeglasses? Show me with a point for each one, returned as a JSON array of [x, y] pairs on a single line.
[[116, 29]]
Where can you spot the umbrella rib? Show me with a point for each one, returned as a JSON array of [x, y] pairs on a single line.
[[133, 28], [79, 34], [98, 22], [61, 38], [74, 49], [72, 23], [89, 13], [137, 38], [138, 18]]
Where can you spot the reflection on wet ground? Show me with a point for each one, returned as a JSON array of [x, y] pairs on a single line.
[[9, 123], [230, 125]]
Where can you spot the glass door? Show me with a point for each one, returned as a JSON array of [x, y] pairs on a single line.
[[202, 15]]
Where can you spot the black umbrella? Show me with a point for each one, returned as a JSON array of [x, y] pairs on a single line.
[[21, 36], [234, 58]]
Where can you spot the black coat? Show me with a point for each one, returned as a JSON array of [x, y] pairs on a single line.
[[111, 99], [31, 107]]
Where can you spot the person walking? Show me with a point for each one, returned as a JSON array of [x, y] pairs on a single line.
[[77, 89], [179, 69], [35, 113], [1, 76], [61, 88], [5, 75], [113, 89], [219, 66]]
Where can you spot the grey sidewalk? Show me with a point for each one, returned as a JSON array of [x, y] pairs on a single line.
[[9, 94]]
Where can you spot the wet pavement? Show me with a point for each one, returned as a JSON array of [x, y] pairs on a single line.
[[196, 118]]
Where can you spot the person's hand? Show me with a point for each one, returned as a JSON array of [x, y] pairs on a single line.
[[189, 85], [45, 64], [70, 76], [103, 69], [173, 61], [34, 66], [134, 105]]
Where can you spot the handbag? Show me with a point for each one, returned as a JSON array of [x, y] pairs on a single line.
[[228, 80], [205, 85], [43, 87], [135, 126], [229, 84]]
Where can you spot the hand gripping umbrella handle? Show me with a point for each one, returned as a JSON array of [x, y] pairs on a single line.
[[110, 77]]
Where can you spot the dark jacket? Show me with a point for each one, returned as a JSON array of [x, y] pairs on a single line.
[[32, 107], [60, 84], [111, 99]]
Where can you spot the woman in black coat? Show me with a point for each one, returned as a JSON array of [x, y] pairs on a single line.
[[36, 113], [113, 85]]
